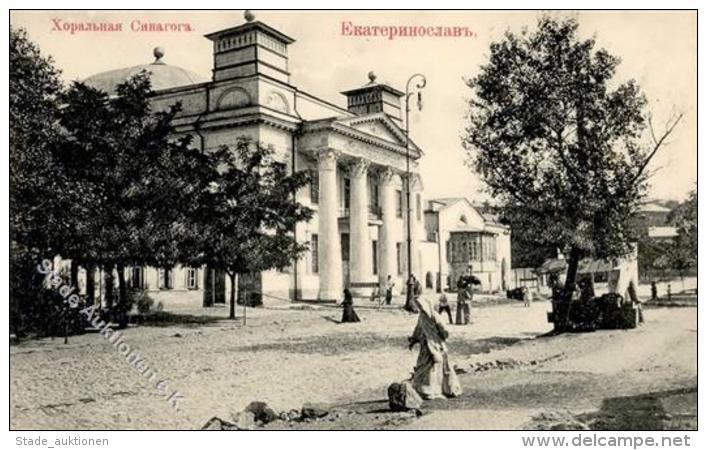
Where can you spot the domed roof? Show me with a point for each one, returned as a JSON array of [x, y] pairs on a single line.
[[162, 76]]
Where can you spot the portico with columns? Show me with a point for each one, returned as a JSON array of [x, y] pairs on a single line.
[[360, 235]]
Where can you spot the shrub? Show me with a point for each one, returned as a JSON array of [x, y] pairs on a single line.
[[142, 300]]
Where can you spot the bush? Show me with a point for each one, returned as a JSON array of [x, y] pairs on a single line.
[[37, 310], [142, 300], [252, 299]]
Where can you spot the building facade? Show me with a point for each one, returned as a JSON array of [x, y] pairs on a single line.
[[356, 155], [459, 236]]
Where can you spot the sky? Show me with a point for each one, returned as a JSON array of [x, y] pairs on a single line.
[[657, 49]]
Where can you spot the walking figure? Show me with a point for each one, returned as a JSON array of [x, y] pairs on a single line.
[[444, 306], [434, 375], [349, 313], [654, 290], [389, 285], [465, 294], [527, 297]]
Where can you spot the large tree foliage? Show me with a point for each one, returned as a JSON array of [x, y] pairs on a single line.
[[246, 223], [36, 183], [38, 200], [559, 142], [139, 183], [682, 252]]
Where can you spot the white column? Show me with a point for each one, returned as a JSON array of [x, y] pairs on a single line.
[[386, 236], [360, 243], [330, 275]]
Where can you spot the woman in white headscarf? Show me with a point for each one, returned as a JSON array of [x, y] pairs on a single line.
[[434, 375]]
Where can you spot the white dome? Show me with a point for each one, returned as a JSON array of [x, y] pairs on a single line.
[[162, 76]]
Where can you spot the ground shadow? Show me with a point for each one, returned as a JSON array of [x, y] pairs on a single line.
[[166, 319], [354, 342], [464, 348], [330, 319], [665, 410]]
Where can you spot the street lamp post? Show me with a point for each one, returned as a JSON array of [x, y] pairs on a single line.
[[417, 88]]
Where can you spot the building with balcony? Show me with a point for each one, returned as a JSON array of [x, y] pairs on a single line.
[[458, 236]]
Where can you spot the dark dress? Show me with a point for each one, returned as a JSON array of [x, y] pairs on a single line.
[[349, 313], [464, 296]]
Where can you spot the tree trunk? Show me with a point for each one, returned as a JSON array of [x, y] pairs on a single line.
[[66, 322], [109, 281], [563, 304], [209, 282], [75, 276], [90, 284], [232, 314], [122, 298]]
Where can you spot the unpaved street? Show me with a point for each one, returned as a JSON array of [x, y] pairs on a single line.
[[512, 377]]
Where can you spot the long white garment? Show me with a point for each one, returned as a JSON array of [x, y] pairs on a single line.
[[434, 375]]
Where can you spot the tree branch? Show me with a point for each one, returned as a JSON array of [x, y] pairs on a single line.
[[657, 143]]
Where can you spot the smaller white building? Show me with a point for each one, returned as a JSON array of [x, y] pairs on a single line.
[[458, 235]]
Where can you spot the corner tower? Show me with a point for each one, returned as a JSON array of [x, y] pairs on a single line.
[[249, 49], [373, 98]]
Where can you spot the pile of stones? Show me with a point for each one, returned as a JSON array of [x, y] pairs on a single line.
[[258, 414]]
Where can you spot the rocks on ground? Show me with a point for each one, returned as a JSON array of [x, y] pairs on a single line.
[[258, 414], [402, 397], [507, 363], [262, 412], [313, 411]]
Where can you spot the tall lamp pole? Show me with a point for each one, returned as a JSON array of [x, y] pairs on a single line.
[[416, 89]]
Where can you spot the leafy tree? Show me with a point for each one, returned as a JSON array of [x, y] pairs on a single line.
[[39, 201], [684, 217], [525, 250], [557, 140], [651, 256], [246, 221], [139, 182], [682, 252]]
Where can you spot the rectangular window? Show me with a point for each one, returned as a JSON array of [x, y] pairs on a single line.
[[347, 193], [192, 278], [345, 246], [373, 198], [166, 278], [137, 279], [399, 256], [314, 187], [399, 203], [375, 257], [315, 253], [418, 206]]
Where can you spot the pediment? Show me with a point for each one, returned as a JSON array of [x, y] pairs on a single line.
[[378, 125]]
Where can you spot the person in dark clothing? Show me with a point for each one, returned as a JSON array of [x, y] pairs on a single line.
[[465, 295], [444, 306], [349, 313], [467, 280], [417, 287]]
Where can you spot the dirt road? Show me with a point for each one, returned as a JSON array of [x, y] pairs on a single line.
[[288, 357]]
